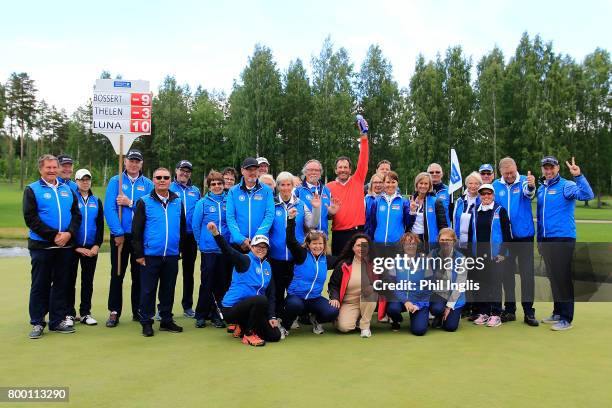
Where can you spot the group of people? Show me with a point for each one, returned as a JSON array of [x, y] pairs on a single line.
[[263, 244]]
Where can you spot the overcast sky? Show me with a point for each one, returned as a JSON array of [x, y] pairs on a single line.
[[65, 45]]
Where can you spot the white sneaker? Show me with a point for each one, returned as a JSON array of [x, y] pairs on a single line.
[[317, 328], [69, 321], [295, 324], [284, 333], [366, 333], [157, 317], [385, 319], [88, 320]]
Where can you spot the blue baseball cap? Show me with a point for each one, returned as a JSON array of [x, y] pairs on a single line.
[[485, 167], [552, 160]]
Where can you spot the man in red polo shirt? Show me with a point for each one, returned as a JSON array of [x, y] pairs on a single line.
[[348, 189]]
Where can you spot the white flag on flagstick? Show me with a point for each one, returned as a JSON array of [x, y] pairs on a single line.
[[456, 181]]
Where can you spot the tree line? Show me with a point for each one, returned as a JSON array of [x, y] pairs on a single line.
[[534, 103]]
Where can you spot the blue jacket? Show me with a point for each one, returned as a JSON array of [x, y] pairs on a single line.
[[419, 297], [497, 237], [369, 200], [460, 208], [454, 298], [47, 211], [556, 204], [211, 207], [278, 232], [434, 217], [73, 186], [249, 213], [304, 193], [309, 272], [387, 222], [309, 277], [190, 195], [516, 199], [141, 187], [158, 229], [251, 282], [91, 230]]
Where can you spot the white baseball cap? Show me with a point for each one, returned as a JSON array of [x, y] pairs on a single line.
[[486, 187], [258, 239], [82, 173]]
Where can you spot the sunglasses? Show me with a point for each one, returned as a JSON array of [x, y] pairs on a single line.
[[435, 172], [162, 177], [486, 193], [216, 183]]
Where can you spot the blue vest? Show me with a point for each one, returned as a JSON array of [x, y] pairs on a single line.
[[253, 282], [53, 206], [73, 186], [390, 223], [429, 217], [309, 277], [190, 195], [89, 213], [210, 208], [162, 232], [305, 194], [497, 237], [460, 205], [278, 232]]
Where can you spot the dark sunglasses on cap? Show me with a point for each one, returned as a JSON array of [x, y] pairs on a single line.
[[162, 177]]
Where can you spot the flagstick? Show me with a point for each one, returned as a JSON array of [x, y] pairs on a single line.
[[120, 186]]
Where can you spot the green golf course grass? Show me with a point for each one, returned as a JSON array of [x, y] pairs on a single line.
[[512, 365]]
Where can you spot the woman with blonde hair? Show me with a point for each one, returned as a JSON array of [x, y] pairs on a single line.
[[427, 212]]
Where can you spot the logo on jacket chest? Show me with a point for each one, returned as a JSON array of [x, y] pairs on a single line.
[[383, 208], [516, 191], [502, 193], [212, 209], [309, 197], [279, 213], [191, 193], [258, 197], [140, 188], [125, 187], [241, 197], [395, 207], [47, 196], [552, 192], [64, 194]]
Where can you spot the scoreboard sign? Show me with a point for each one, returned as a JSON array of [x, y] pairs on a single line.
[[122, 108]]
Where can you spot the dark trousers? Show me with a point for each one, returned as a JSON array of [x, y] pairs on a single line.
[[296, 306], [189, 254], [50, 270], [162, 270], [558, 254], [252, 316], [419, 321], [521, 258], [212, 276], [436, 308], [341, 237], [282, 273], [115, 292], [88, 268]]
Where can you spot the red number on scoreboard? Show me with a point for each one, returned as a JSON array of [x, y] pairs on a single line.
[[140, 126], [141, 112], [141, 99]]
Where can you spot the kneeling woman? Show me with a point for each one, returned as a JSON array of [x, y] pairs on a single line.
[[415, 301], [350, 288], [446, 304], [309, 275], [249, 302]]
